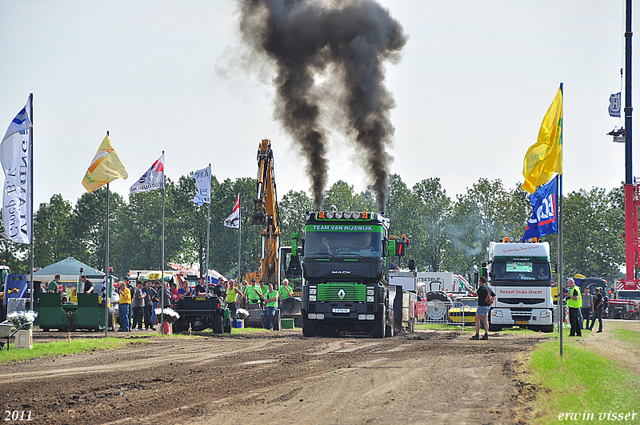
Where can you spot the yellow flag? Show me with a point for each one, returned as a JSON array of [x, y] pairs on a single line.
[[105, 167], [545, 156]]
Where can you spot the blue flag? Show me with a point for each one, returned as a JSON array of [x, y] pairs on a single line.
[[615, 100], [544, 220]]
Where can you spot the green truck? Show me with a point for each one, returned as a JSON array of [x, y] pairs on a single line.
[[345, 263]]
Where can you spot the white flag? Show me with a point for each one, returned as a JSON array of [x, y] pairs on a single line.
[[16, 196], [203, 185], [151, 180], [233, 220]]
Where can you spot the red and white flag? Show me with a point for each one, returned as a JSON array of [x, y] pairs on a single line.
[[233, 220]]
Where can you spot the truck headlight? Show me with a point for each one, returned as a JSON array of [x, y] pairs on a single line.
[[311, 316], [320, 316], [362, 317], [496, 313], [371, 316], [312, 297], [369, 290], [369, 298], [313, 290], [545, 314]]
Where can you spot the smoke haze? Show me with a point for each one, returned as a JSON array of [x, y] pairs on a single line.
[[329, 60]]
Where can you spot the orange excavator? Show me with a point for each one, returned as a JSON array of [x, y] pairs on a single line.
[[265, 214]]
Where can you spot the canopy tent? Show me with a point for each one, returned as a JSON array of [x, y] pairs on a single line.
[[69, 271]]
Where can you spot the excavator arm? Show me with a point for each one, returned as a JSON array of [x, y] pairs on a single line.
[[265, 213]]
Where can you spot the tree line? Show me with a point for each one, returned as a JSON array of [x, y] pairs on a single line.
[[446, 233]]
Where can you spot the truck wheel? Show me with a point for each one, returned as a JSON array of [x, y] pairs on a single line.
[[218, 324], [546, 328], [308, 330], [227, 328], [377, 331], [497, 328]]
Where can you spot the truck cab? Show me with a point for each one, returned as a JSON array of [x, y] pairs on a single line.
[[345, 273], [520, 276]]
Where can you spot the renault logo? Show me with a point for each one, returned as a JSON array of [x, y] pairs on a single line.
[[521, 304], [341, 294]]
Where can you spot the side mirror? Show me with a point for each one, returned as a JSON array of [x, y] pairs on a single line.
[[300, 246], [412, 265]]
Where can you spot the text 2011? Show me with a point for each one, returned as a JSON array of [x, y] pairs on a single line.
[[17, 415]]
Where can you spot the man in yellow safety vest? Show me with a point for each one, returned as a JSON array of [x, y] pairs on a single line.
[[574, 302]]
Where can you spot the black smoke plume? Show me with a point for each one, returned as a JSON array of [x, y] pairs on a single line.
[[329, 58]]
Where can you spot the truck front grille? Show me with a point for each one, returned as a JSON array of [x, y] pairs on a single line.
[[349, 292]]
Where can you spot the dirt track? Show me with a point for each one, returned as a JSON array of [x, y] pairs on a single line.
[[426, 377]]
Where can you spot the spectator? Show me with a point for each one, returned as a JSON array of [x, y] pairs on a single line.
[[252, 293], [220, 290], [285, 291], [53, 285], [271, 304], [243, 300], [574, 303], [125, 306], [598, 301], [233, 294], [201, 290], [263, 292], [155, 298], [149, 295], [587, 308], [482, 311], [88, 286], [167, 295], [174, 293], [137, 303], [184, 290]]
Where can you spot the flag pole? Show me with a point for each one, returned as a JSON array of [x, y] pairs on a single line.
[[239, 237], [106, 277], [162, 293], [30, 188], [560, 234], [206, 269]]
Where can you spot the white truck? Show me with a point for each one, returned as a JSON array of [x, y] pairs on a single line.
[[520, 276], [441, 281]]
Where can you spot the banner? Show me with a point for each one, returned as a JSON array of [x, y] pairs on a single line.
[[233, 220], [104, 168], [203, 185], [615, 100], [152, 179], [544, 220], [15, 156], [545, 156]]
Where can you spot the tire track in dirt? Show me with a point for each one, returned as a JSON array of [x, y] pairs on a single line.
[[283, 378]]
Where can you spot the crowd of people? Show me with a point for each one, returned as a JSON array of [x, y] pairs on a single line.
[[137, 304]]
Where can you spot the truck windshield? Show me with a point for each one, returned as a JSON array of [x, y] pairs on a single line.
[[521, 270], [343, 244]]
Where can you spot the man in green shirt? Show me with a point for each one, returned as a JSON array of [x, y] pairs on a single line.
[[285, 291], [53, 285], [253, 293], [271, 304]]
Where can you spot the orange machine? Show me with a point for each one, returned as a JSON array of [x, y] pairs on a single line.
[[266, 214]]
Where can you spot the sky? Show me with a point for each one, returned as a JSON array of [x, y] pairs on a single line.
[[472, 86]]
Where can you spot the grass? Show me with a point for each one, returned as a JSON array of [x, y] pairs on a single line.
[[627, 335], [59, 348], [583, 382]]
